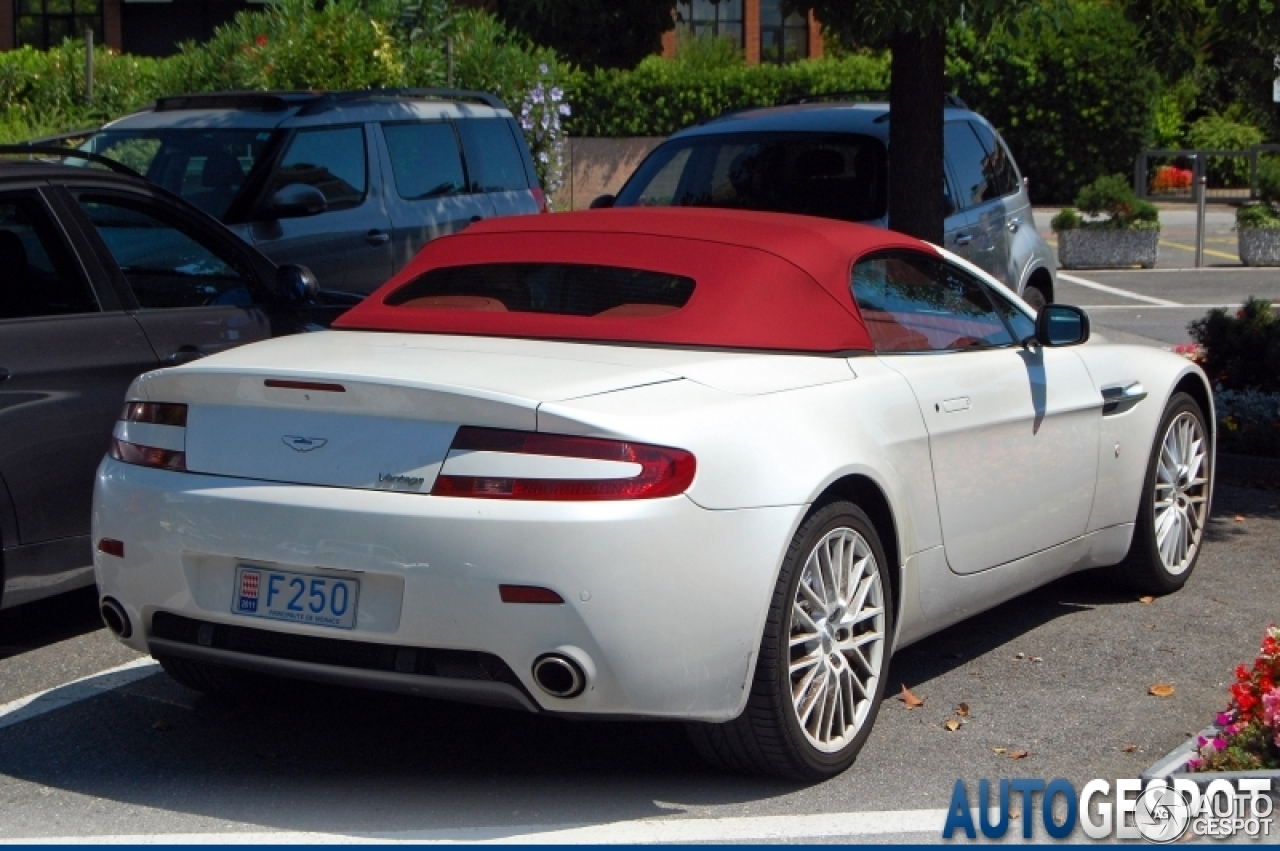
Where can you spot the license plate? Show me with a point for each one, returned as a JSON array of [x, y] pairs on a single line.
[[295, 597]]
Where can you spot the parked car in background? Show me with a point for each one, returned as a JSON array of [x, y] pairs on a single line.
[[709, 466], [103, 277], [350, 183], [831, 159]]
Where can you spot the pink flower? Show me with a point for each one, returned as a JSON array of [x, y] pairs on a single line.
[[1219, 743], [261, 41]]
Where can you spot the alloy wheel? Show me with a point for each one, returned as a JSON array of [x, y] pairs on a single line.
[[1181, 493]]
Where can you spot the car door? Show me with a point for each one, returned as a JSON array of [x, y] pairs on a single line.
[[192, 292], [1013, 430], [348, 246], [1015, 241], [428, 194], [67, 355], [977, 196]]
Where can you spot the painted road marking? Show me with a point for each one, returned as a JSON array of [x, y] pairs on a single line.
[[1163, 306], [642, 831], [1192, 248], [1094, 285], [35, 705]]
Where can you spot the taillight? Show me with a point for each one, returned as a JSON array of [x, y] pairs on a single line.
[[151, 434], [490, 463], [541, 198]]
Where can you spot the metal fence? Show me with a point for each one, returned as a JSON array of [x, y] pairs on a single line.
[[1173, 175]]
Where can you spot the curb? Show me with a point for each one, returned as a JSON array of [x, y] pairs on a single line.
[[1169, 767]]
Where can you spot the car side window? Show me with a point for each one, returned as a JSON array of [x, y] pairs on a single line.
[[915, 303], [333, 160], [38, 276], [969, 164], [494, 162], [425, 159], [1002, 175], [165, 261]]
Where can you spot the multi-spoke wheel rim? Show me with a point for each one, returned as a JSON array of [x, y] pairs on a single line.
[[1181, 493], [836, 639]]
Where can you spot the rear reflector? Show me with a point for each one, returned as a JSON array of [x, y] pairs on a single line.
[[528, 594], [111, 547], [663, 471], [318, 386]]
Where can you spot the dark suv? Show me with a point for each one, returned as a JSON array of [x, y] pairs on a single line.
[[350, 183], [832, 160]]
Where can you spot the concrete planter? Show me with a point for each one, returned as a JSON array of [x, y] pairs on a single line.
[[1173, 767], [1107, 249], [1259, 246]]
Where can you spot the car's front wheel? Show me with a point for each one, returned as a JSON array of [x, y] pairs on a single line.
[[1175, 502], [820, 675]]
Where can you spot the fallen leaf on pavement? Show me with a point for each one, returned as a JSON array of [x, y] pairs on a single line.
[[1037, 658], [1239, 518], [963, 710], [1000, 750], [1160, 690], [1129, 748], [1019, 754], [1146, 599], [1019, 655], [162, 726], [910, 699], [952, 725]]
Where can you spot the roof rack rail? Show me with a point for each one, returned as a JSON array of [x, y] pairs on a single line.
[[864, 95], [254, 101], [53, 151], [326, 100]]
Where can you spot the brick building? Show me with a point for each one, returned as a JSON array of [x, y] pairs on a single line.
[[759, 26], [140, 27]]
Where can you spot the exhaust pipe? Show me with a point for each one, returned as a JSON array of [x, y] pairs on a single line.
[[559, 675], [114, 616]]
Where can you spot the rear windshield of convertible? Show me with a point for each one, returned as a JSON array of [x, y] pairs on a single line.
[[565, 289]]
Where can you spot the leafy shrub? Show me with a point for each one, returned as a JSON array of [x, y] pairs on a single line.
[[659, 96], [1241, 348], [1255, 216], [1248, 421], [1218, 133], [1071, 99], [1109, 196], [1269, 180]]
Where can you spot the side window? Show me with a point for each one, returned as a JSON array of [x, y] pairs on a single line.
[[968, 163], [332, 160], [494, 162], [916, 303], [1002, 175], [165, 262], [39, 276], [424, 159]]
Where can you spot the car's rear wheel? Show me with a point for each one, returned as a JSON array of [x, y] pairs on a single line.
[[1175, 502], [209, 679], [820, 675]]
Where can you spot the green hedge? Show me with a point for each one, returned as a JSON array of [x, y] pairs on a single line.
[[659, 97]]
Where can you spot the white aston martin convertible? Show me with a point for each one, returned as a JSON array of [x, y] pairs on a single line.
[[701, 465]]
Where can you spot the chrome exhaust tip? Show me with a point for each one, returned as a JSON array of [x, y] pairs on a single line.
[[559, 675], [114, 616]]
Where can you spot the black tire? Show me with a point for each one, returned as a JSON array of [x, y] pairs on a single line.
[[1145, 569], [767, 738], [209, 679], [1033, 296]]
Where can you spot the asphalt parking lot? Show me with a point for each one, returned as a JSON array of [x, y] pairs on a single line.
[[1062, 674]]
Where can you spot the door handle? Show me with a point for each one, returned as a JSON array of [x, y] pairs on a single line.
[[4, 374], [963, 239], [960, 403], [1014, 224], [184, 354], [377, 237]]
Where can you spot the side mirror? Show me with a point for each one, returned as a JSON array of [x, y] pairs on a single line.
[[296, 285], [297, 199], [603, 202], [1061, 325]]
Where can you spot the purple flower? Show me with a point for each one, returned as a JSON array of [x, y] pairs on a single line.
[[1219, 743], [1225, 718]]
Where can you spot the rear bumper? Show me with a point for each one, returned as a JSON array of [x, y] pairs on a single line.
[[665, 599]]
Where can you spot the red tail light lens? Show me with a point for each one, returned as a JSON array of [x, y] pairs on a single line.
[[528, 594], [151, 413], [663, 471]]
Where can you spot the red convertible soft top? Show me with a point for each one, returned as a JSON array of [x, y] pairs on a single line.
[[761, 280]]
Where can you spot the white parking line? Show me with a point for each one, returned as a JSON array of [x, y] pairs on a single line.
[[34, 705], [1094, 285], [643, 831]]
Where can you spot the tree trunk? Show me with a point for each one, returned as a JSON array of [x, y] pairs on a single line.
[[916, 204]]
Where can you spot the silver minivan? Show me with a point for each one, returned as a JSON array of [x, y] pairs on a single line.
[[831, 159]]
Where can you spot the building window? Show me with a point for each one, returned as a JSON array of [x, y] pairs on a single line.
[[46, 23], [783, 38], [711, 18]]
